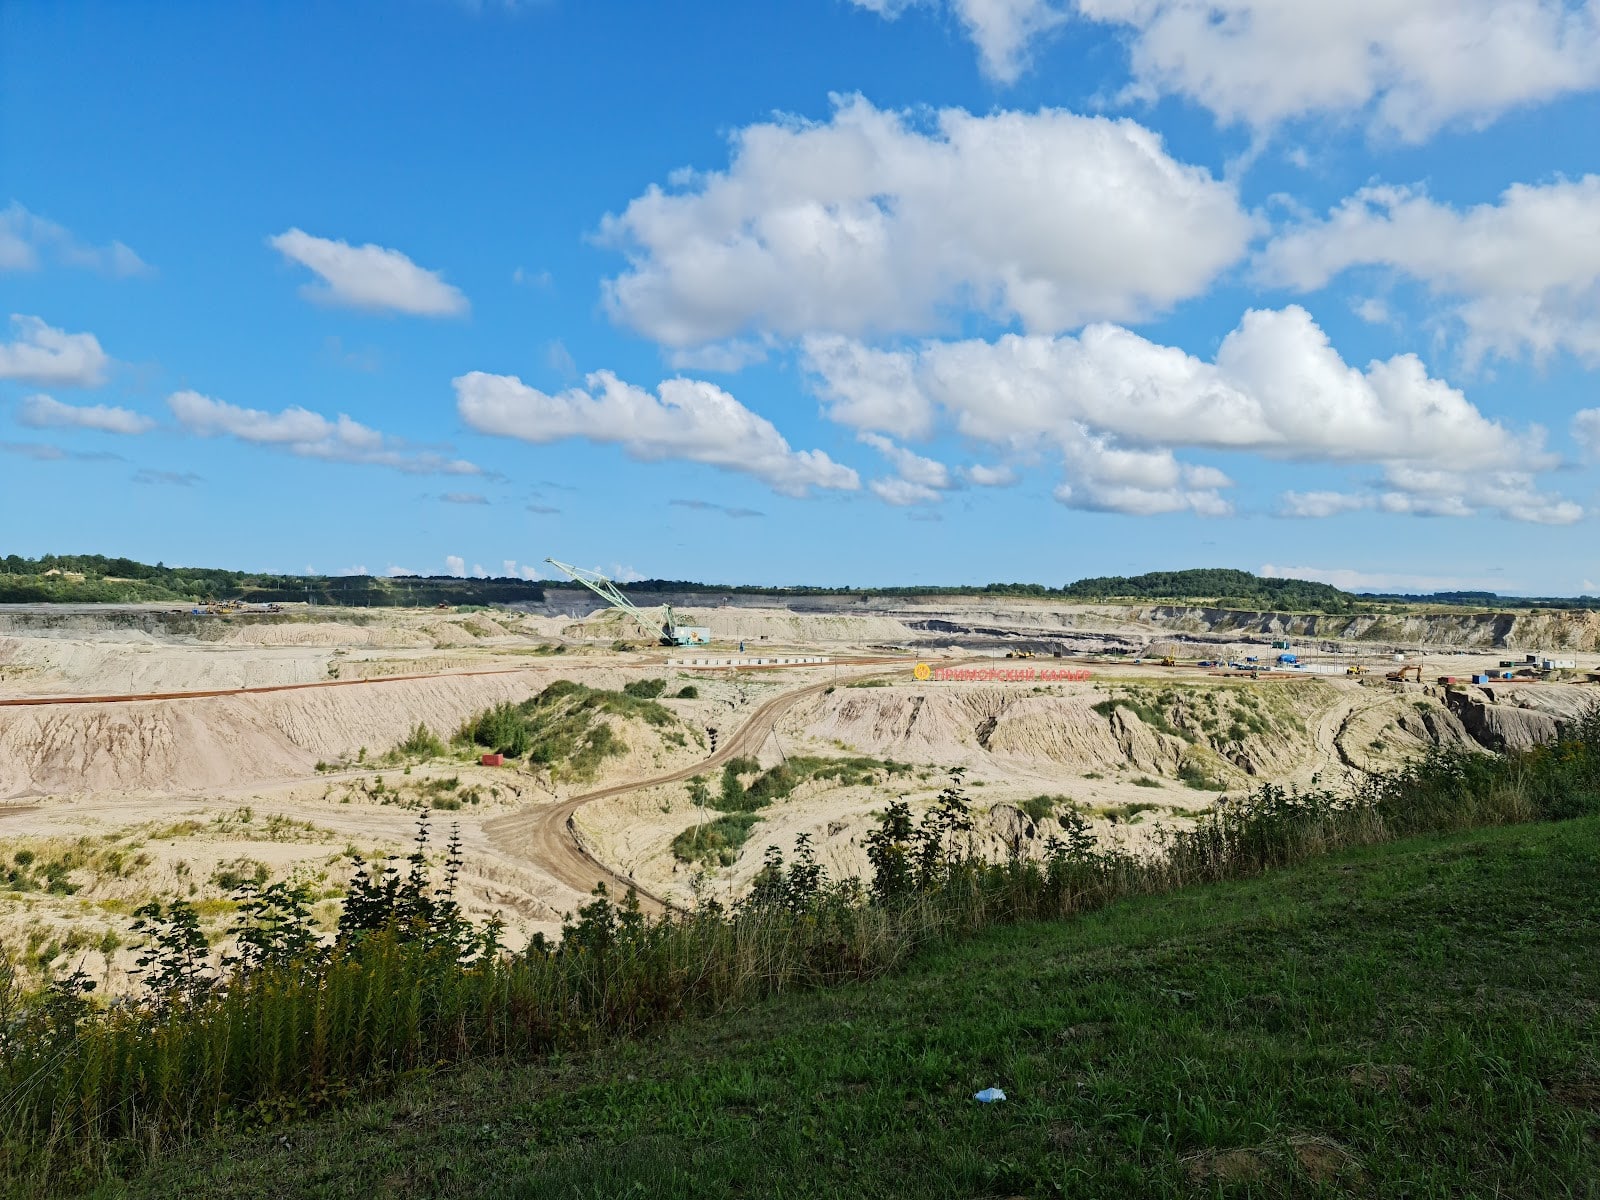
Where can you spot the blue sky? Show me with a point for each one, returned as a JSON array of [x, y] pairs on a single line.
[[839, 291]]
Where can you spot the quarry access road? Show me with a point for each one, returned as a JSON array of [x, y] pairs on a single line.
[[212, 693], [140, 697], [548, 836]]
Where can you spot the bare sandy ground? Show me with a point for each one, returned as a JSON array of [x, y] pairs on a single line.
[[179, 797]]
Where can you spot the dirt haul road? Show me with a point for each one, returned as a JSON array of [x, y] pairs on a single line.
[[549, 836], [31, 701]]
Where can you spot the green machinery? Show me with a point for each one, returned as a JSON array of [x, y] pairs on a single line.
[[670, 632]]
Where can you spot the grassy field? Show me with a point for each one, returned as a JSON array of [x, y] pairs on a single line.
[[1416, 1019]]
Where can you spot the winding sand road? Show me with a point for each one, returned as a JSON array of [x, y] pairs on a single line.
[[549, 837]]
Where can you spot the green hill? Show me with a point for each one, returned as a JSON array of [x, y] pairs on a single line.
[[1220, 586], [1417, 1019]]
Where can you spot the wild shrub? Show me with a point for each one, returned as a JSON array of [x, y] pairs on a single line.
[[715, 843], [645, 689], [422, 742], [173, 961], [273, 927], [501, 729], [1192, 774], [1038, 808]]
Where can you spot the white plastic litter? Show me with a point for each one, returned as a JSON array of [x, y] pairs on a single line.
[[989, 1096]]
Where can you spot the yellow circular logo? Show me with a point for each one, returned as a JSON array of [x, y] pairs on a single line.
[[922, 671]]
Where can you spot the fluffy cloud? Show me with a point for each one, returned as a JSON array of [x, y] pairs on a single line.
[[908, 465], [1000, 29], [1525, 270], [43, 354], [903, 492], [1418, 64], [455, 565], [1003, 29], [918, 480], [1442, 492], [1323, 504], [685, 419], [1586, 431], [46, 412], [370, 277], [28, 240], [868, 223], [1276, 386], [1115, 405], [1104, 477], [980, 475], [309, 435]]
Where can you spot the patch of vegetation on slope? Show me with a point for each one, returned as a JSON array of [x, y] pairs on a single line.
[[779, 782], [1401, 1020], [715, 843], [563, 727], [1212, 717]]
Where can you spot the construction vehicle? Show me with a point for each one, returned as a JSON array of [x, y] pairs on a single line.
[[1355, 672], [1400, 675], [1021, 654], [1168, 661], [666, 628]]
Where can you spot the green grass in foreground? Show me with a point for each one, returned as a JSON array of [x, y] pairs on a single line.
[[1417, 1019]]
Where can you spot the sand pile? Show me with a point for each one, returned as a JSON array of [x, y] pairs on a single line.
[[193, 745]]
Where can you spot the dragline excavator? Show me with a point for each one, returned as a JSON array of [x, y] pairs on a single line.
[[666, 626]]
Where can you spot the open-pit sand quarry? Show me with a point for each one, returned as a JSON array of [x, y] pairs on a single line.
[[146, 753]]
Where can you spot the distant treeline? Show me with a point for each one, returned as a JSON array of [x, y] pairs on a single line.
[[94, 578], [1488, 600]]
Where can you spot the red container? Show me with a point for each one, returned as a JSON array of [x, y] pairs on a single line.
[[493, 760]]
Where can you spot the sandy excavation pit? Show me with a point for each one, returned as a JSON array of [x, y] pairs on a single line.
[[105, 805]]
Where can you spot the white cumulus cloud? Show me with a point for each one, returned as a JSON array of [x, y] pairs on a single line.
[[684, 419], [44, 354], [28, 241], [369, 277], [1324, 503], [1001, 30], [980, 475], [46, 412], [455, 565], [871, 222], [1586, 431], [309, 435], [1524, 272], [1115, 405], [1414, 64]]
